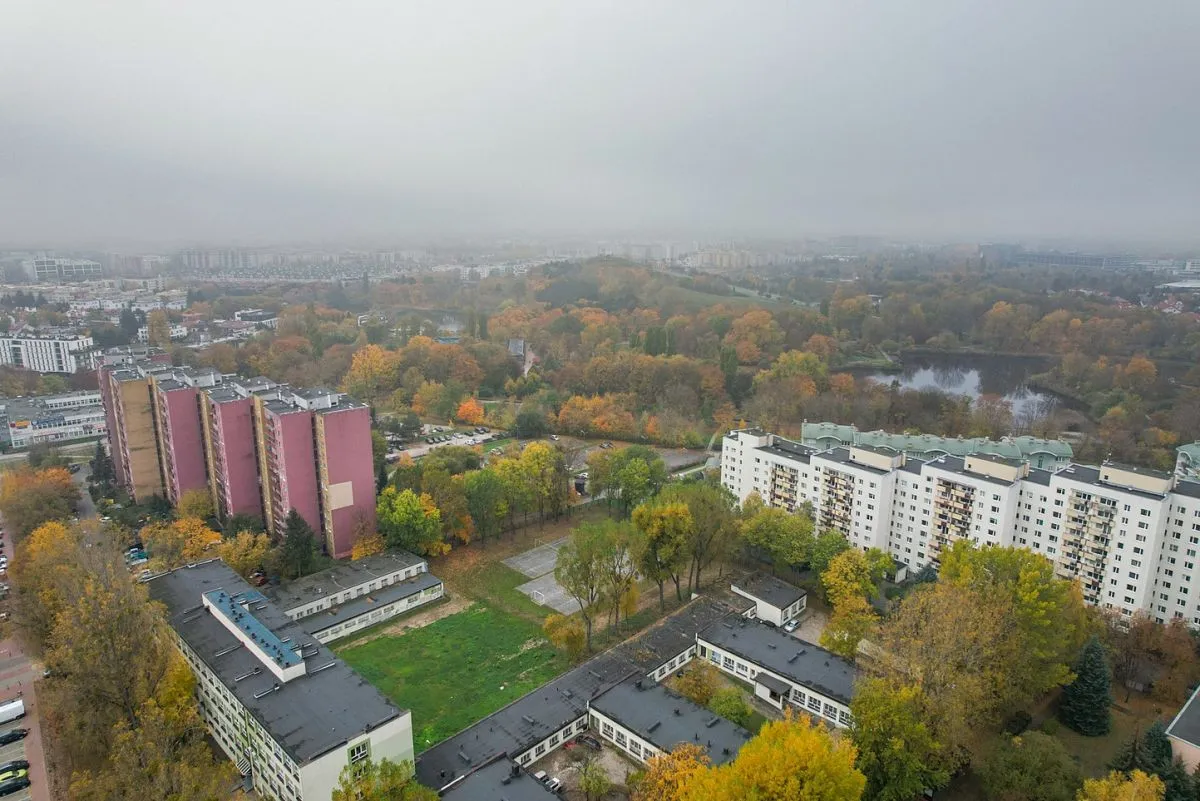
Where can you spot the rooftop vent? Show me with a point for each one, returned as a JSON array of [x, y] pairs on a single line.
[[528, 719], [463, 756], [654, 726], [713, 721]]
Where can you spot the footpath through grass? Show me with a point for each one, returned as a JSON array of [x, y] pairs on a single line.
[[457, 670]]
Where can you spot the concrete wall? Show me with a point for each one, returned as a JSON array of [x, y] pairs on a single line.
[[347, 476], [393, 741], [235, 449], [184, 438], [297, 469]]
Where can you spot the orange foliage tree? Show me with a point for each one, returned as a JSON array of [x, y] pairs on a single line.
[[470, 411]]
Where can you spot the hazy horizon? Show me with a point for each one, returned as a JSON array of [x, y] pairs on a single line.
[[276, 122]]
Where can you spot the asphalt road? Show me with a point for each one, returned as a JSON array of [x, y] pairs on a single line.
[[86, 507]]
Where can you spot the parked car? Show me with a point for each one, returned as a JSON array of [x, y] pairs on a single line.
[[588, 740], [791, 625], [13, 736], [13, 774], [554, 784], [540, 776], [14, 785], [554, 437], [16, 764]]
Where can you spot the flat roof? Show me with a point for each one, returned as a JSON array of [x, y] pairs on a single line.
[[1189, 489], [806, 664], [489, 784], [342, 576], [996, 458], [957, 464], [775, 591], [1039, 476], [308, 716], [665, 719], [773, 684], [1086, 474], [677, 632], [363, 604], [1186, 725], [841, 455]]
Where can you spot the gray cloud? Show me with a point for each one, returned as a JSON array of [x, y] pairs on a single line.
[[289, 119]]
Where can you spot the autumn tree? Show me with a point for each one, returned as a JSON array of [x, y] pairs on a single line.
[[730, 703], [1030, 767], [410, 521], [195, 503], [298, 552], [852, 574], [786, 538], [158, 329], [1137, 786], [181, 542], [487, 502], [852, 620], [47, 572], [713, 510], [618, 565], [372, 375], [470, 411], [368, 542], [593, 780], [699, 682], [626, 476], [245, 552], [29, 498], [897, 752], [579, 569], [666, 530], [789, 759], [668, 772], [566, 633], [381, 781], [828, 544]]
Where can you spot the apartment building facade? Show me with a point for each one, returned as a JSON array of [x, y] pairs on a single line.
[[287, 712], [259, 448], [53, 418], [1130, 536], [59, 352]]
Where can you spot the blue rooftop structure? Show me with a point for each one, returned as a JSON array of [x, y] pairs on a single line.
[[234, 610]]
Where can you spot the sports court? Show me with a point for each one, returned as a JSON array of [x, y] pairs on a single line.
[[538, 564]]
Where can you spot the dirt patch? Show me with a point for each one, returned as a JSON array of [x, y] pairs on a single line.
[[419, 620], [813, 624], [566, 762]]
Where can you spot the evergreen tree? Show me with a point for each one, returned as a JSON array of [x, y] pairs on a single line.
[[1133, 755], [299, 546], [381, 478], [1158, 748], [1179, 784], [1085, 704]]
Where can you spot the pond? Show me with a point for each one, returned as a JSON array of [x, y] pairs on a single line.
[[975, 375]]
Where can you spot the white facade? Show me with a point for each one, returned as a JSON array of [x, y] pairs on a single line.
[[59, 426], [46, 354], [1130, 536], [176, 332], [63, 269], [765, 610]]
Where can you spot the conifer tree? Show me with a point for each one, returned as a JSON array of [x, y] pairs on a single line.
[[1085, 704]]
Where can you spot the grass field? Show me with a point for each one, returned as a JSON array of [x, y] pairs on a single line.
[[457, 670]]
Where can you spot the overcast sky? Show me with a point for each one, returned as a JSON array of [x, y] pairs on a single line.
[[289, 120]]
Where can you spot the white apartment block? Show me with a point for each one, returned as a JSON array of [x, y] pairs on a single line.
[[55, 270], [1129, 535], [351, 596], [282, 707], [49, 353]]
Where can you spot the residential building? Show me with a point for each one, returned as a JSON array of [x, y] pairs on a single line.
[[258, 447], [1187, 461], [784, 670], [56, 271], [1129, 535], [176, 332], [58, 351], [1184, 733], [282, 707], [645, 719], [1047, 454], [350, 596], [775, 601], [53, 418]]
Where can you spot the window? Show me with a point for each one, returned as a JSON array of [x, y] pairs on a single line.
[[541, 749], [360, 752]]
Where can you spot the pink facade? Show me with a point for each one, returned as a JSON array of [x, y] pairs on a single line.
[[292, 466], [347, 475], [115, 432], [182, 440], [235, 458]]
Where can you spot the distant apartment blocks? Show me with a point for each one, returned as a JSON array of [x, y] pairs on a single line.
[[1128, 535], [52, 418], [259, 448], [48, 351]]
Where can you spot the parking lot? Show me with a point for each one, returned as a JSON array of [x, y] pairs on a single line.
[[10, 752]]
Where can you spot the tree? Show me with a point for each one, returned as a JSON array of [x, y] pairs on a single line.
[[730, 704], [666, 529], [789, 759], [47, 572], [530, 424], [851, 621], [299, 550], [712, 508], [103, 472], [1151, 753], [470, 411], [1048, 613], [699, 682], [828, 545], [372, 375], [593, 780], [896, 750], [195, 503], [1031, 767], [181, 542], [579, 570], [487, 503], [1117, 787], [618, 566], [245, 552], [129, 324], [786, 538], [847, 577], [380, 781], [566, 633], [29, 498], [667, 774], [449, 497], [158, 329], [41, 455], [409, 521], [545, 468], [1086, 702], [367, 542]]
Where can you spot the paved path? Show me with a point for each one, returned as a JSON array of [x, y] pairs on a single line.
[[538, 564]]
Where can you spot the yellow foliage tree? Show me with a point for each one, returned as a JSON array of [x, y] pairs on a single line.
[[1116, 786], [667, 774], [29, 498], [848, 576], [46, 571], [368, 543], [195, 503], [851, 621], [245, 553], [373, 373], [789, 759], [566, 633], [184, 541]]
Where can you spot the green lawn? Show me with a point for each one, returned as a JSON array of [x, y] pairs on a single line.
[[457, 670]]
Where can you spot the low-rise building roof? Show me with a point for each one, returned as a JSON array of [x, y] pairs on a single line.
[[500, 780], [772, 590], [342, 576], [376, 599]]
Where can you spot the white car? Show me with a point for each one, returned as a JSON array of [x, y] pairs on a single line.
[[791, 625]]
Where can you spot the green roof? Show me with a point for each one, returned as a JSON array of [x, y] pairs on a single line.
[[918, 444]]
